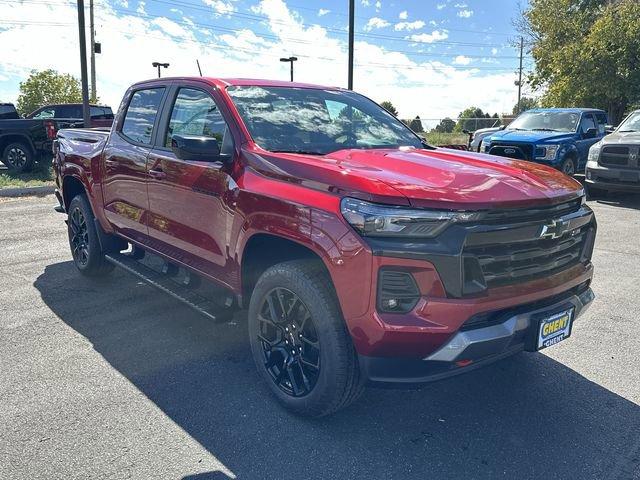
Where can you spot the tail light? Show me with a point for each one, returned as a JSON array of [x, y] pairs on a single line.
[[50, 127]]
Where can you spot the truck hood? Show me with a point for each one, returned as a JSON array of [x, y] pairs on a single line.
[[622, 138], [531, 136], [439, 178]]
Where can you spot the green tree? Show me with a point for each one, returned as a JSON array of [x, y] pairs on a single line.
[[416, 125], [389, 107], [47, 87], [585, 53], [526, 103], [446, 125], [473, 118]]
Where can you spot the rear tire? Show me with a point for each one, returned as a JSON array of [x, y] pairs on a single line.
[[305, 354], [18, 157], [86, 250]]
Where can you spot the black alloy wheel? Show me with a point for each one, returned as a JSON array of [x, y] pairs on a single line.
[[290, 344], [79, 237], [17, 157]]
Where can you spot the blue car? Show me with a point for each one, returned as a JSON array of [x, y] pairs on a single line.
[[559, 137]]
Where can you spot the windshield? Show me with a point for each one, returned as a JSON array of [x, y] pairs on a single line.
[[546, 121], [314, 121], [631, 123]]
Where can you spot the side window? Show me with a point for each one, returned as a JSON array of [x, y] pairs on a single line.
[[69, 111], [141, 115], [195, 113], [601, 120], [587, 123]]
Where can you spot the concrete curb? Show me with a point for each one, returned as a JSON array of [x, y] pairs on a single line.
[[24, 191]]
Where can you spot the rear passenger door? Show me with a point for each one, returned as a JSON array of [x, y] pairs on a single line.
[[124, 175], [190, 213]]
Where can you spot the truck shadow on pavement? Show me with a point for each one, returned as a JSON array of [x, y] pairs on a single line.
[[527, 417]]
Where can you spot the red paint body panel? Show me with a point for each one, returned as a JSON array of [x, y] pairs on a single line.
[[202, 215]]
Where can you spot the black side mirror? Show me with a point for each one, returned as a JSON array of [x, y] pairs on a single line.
[[591, 133], [197, 148]]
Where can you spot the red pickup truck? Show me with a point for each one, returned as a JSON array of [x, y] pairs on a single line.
[[362, 254]]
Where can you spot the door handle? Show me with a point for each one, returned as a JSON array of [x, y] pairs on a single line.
[[157, 174]]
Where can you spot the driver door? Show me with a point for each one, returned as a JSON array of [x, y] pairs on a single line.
[[584, 143], [190, 202]]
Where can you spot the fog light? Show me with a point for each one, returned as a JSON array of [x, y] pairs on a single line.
[[390, 303]]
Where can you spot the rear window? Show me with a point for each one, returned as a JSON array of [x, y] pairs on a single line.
[[8, 111], [141, 115]]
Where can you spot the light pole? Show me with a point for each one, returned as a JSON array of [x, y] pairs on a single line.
[[352, 8], [158, 65], [83, 66], [290, 60]]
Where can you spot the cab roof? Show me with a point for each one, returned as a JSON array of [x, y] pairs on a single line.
[[240, 82], [567, 110]]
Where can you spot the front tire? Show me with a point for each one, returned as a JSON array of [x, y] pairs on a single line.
[[87, 253], [299, 340], [18, 157], [568, 166]]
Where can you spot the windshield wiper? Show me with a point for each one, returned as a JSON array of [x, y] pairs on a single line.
[[547, 129], [626, 131], [300, 152]]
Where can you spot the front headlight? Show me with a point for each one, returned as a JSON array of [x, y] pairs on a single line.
[[594, 152], [484, 147], [550, 152], [371, 219]]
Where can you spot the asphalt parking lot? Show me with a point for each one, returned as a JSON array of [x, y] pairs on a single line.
[[112, 379]]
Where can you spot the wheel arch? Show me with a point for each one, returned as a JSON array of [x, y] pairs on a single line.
[[7, 138], [263, 250]]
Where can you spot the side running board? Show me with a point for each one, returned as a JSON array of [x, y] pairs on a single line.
[[200, 304]]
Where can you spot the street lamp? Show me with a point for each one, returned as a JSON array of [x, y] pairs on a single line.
[[158, 65], [290, 60]]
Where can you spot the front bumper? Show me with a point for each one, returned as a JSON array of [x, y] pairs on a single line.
[[469, 349], [614, 179]]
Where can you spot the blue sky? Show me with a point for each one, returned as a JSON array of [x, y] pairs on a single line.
[[431, 58]]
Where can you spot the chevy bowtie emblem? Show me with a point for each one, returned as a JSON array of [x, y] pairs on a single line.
[[554, 229], [633, 157]]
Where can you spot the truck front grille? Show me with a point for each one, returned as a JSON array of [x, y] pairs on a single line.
[[520, 151], [614, 156], [504, 264]]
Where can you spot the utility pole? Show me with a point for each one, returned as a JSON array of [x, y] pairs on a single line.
[[352, 9], [290, 60], [83, 65], [92, 31], [520, 74]]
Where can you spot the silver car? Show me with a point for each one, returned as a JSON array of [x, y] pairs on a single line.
[[614, 162]]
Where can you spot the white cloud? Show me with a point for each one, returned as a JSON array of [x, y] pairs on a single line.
[[434, 36], [220, 7], [418, 24], [376, 22], [171, 27], [440, 6], [366, 3], [461, 60], [403, 15], [494, 51], [131, 43], [378, 5], [323, 11], [461, 5], [140, 8], [465, 13]]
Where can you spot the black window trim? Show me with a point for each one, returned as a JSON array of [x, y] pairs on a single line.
[[169, 104], [154, 132]]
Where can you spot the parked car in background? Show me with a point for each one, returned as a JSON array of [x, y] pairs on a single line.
[[362, 253], [8, 111], [476, 137], [558, 137], [24, 141], [614, 162], [101, 115]]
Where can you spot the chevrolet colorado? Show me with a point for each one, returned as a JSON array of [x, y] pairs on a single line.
[[362, 254]]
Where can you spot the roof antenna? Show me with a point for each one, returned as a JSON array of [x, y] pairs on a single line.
[[199, 69]]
